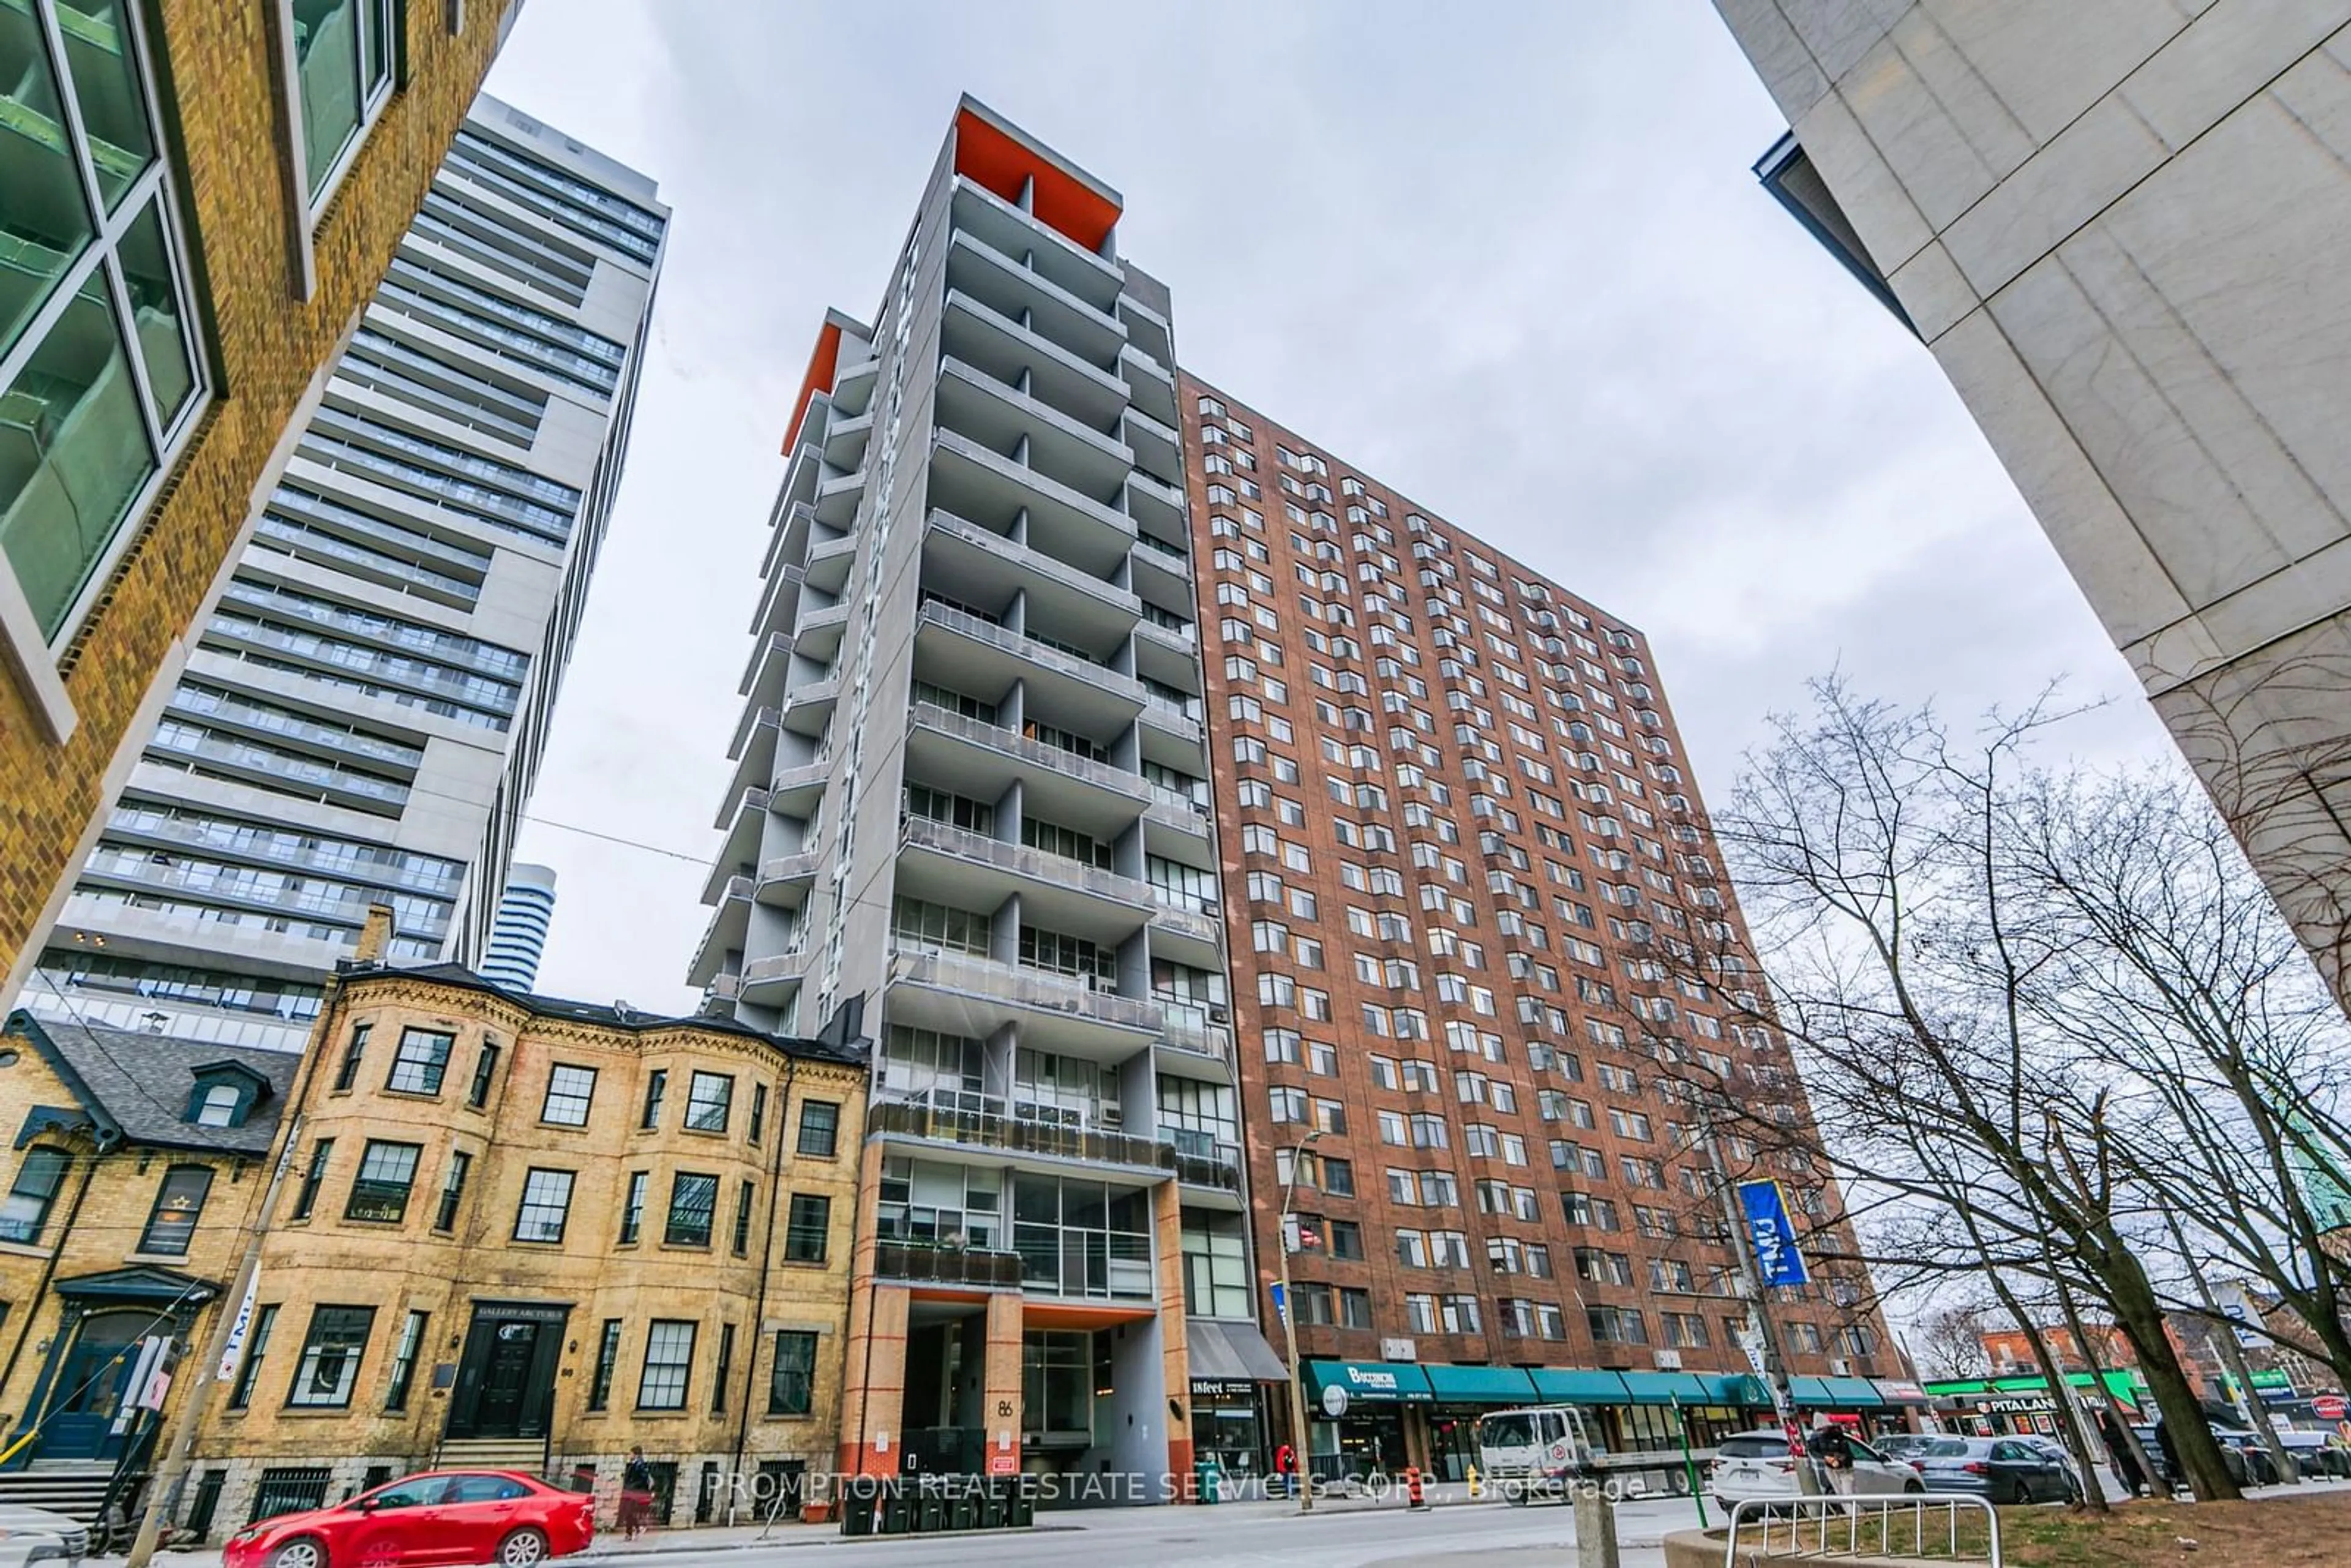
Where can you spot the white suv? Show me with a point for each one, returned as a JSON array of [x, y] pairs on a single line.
[[1757, 1465]]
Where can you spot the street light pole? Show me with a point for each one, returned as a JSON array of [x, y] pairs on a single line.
[[1301, 1476]]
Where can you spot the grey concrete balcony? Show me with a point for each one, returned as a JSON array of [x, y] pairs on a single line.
[[1169, 717], [845, 438], [753, 752], [784, 880], [853, 385], [1157, 508], [836, 498], [830, 562], [787, 544], [1166, 565], [1056, 892], [1158, 449], [1147, 329], [1190, 1030], [979, 268], [818, 635], [808, 708], [1149, 383], [743, 825], [899, 1120], [977, 482], [1027, 651], [768, 981], [987, 567], [795, 786], [724, 934], [1202, 926], [993, 412], [979, 335], [763, 678], [1182, 642], [957, 992], [1005, 228], [1030, 756], [1171, 812]]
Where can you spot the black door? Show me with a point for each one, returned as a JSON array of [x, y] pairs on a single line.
[[506, 1378]]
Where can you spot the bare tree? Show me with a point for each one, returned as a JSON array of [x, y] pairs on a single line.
[[1873, 848], [1949, 1343]]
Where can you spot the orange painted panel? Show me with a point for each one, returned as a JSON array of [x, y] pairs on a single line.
[[823, 364], [987, 157]]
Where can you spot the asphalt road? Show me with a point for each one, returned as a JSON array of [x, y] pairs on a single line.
[[1268, 1535]]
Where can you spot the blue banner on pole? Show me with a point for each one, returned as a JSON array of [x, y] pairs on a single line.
[[1280, 1307], [1772, 1233]]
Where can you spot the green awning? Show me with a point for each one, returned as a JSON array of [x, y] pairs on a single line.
[[1377, 1382], [1835, 1393], [1565, 1385], [1663, 1387], [1738, 1389], [1479, 1384]]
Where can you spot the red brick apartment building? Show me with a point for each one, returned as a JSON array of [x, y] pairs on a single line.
[[1452, 804]]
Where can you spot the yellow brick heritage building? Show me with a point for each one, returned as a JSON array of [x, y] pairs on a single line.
[[531, 1233], [196, 201], [135, 1162], [513, 1231]]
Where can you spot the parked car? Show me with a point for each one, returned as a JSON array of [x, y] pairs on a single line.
[[1907, 1446], [2248, 1462], [441, 1516], [42, 1535], [2003, 1470], [1757, 1465], [2315, 1454]]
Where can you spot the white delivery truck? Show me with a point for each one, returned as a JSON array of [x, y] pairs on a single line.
[[1539, 1452]]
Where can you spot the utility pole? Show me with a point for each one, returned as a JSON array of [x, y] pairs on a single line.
[[2232, 1356], [1759, 1318], [1302, 1477], [181, 1441]]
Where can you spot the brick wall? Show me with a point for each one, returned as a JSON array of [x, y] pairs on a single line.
[[269, 350]]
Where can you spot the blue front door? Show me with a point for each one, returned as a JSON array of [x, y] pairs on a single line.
[[93, 1380]]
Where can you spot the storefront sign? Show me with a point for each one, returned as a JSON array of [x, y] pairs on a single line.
[[2330, 1407], [1222, 1388], [1772, 1233], [1334, 1401]]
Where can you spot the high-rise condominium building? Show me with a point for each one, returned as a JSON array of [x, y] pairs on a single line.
[[362, 713], [972, 788], [2120, 229], [1466, 875], [518, 933], [192, 214]]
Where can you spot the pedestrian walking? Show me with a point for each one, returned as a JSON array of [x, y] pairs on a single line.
[[637, 1493], [2119, 1454]]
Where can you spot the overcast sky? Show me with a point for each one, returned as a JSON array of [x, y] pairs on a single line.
[[1509, 258]]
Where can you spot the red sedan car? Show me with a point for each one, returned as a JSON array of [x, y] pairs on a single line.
[[442, 1516]]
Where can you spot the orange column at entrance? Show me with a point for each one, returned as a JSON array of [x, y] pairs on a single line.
[[1174, 1348], [1004, 1384], [875, 1396]]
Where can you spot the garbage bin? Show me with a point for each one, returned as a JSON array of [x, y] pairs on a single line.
[[857, 1495], [1207, 1479], [897, 1509], [932, 1510], [1022, 1505], [993, 1505], [963, 1510]]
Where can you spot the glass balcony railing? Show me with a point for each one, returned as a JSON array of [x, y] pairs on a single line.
[[1018, 986]]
